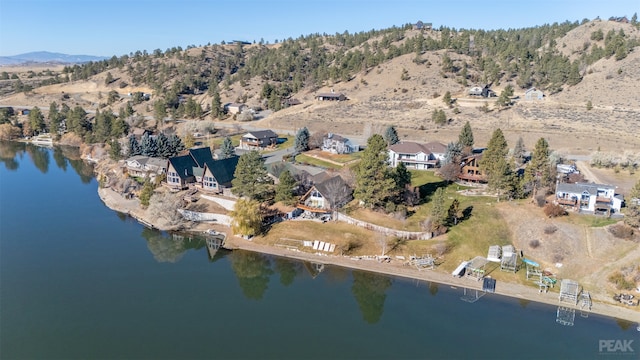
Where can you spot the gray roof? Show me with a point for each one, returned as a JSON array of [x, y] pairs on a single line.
[[409, 147], [263, 134], [579, 188], [436, 147]]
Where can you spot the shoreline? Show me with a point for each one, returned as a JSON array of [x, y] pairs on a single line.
[[115, 202]]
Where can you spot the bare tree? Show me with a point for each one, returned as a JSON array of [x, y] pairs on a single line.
[[165, 205], [336, 191], [450, 171], [316, 139]]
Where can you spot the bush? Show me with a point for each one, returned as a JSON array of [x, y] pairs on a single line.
[[553, 210], [621, 231], [550, 229], [534, 244], [540, 200], [621, 283]]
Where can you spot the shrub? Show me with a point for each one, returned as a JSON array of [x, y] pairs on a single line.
[[540, 200], [534, 244], [554, 210], [550, 229], [621, 283], [621, 231]]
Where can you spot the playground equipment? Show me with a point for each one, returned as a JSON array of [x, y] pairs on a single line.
[[569, 291], [509, 260]]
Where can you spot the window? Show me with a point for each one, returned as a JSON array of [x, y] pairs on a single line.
[[209, 182], [172, 178]]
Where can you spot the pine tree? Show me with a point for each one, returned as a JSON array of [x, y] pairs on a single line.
[[466, 136], [374, 182], [518, 151], [391, 135], [115, 151], [159, 110], [133, 148], [453, 154], [251, 179], [284, 189], [175, 145], [438, 211], [148, 146], [163, 145], [538, 171], [226, 149], [36, 120], [454, 212], [301, 143], [493, 163], [446, 99], [216, 104]]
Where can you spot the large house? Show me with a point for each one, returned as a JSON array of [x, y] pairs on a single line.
[[414, 155], [470, 169], [337, 144], [596, 198], [258, 140], [198, 168], [144, 166], [325, 196]]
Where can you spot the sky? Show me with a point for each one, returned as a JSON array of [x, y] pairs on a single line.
[[118, 27]]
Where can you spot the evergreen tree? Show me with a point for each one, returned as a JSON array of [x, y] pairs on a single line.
[[438, 211], [226, 149], [401, 176], [36, 120], [391, 135], [55, 119], [454, 212], [115, 151], [175, 145], [453, 154], [148, 146], [446, 99], [518, 151], [493, 160], [439, 117], [108, 79], [250, 178], [538, 172], [374, 182], [301, 143], [159, 110], [164, 147], [216, 104], [285, 187], [146, 193], [133, 148], [466, 137]]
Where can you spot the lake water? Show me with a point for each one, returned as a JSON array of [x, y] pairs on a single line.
[[80, 281]]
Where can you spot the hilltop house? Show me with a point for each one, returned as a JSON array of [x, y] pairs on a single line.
[[533, 94], [144, 166], [470, 169], [413, 155], [484, 91], [325, 196], [256, 140], [331, 97], [337, 144], [596, 198], [199, 169]]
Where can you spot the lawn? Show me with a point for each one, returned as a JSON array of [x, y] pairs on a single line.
[[305, 159]]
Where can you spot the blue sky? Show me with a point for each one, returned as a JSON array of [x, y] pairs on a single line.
[[117, 27]]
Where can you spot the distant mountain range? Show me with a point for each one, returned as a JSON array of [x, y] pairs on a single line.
[[48, 57]]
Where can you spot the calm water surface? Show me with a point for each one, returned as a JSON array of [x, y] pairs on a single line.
[[79, 281]]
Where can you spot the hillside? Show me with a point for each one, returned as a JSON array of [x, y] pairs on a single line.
[[394, 76]]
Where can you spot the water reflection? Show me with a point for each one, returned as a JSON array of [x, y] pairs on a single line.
[[287, 269], [253, 271], [369, 290], [41, 158], [167, 247]]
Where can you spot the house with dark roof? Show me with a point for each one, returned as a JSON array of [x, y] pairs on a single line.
[[217, 175], [198, 168], [325, 196], [482, 91], [337, 144], [331, 96], [414, 155], [256, 140], [589, 197]]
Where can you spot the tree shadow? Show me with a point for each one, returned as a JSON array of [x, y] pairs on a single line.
[[466, 213], [427, 190]]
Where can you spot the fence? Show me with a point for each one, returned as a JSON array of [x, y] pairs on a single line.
[[409, 235]]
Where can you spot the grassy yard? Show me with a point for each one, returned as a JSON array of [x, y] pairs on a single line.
[[217, 141], [588, 220], [305, 159]]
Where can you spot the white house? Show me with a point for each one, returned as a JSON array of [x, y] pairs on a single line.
[[337, 144], [533, 94], [413, 155], [589, 197]]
